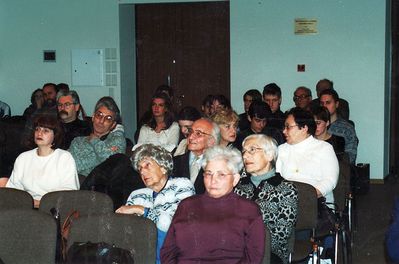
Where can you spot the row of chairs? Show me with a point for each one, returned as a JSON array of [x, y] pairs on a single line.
[[30, 231], [30, 236], [308, 216], [97, 223]]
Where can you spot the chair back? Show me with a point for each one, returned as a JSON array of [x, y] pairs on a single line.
[[268, 247], [306, 221], [307, 206], [85, 202], [343, 187], [131, 232], [11, 198], [27, 236]]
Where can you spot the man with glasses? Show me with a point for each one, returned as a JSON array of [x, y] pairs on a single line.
[[203, 135], [106, 139], [305, 159], [303, 97], [68, 105]]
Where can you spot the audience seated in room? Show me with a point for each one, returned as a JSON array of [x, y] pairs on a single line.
[[248, 97], [46, 168], [106, 139], [303, 97], [206, 105], [161, 129], [68, 105], [272, 96], [324, 84], [276, 197], [218, 226], [227, 120], [37, 101], [258, 115], [305, 159], [5, 110], [159, 200], [219, 102], [322, 119], [339, 126], [185, 118], [203, 135]]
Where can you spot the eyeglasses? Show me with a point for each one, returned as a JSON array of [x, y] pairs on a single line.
[[105, 118], [251, 150], [65, 105], [219, 175], [288, 127], [197, 133], [300, 97]]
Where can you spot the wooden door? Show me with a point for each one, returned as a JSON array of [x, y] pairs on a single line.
[[186, 45]]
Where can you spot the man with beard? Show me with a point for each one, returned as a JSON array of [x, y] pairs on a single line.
[[49, 94], [68, 105]]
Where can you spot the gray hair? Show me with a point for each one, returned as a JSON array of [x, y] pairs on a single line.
[[72, 93], [215, 131], [109, 103], [232, 157], [268, 144], [160, 155]]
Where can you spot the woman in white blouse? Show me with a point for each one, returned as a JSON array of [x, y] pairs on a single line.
[[161, 129], [46, 168]]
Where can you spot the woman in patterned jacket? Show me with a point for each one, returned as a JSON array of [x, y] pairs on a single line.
[[277, 198], [160, 199]]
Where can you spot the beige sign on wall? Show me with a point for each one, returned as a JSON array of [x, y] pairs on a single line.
[[305, 26]]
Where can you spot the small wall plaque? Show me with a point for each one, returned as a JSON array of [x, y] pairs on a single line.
[[49, 55], [305, 26]]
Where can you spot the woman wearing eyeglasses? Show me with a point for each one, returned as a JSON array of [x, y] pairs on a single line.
[[46, 168], [161, 129], [106, 139], [277, 198], [218, 226]]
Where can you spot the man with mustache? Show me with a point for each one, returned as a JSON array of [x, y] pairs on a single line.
[[68, 105]]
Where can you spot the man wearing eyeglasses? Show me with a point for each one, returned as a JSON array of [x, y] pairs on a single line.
[[68, 106], [106, 139], [203, 135], [303, 97]]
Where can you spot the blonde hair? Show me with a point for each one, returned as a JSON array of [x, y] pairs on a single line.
[[225, 116]]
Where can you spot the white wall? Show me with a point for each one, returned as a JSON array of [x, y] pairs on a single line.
[[29, 27], [349, 49]]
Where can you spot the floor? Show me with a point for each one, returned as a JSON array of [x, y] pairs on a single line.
[[373, 218]]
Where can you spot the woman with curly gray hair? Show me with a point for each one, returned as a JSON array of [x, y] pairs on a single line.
[[218, 226], [159, 200]]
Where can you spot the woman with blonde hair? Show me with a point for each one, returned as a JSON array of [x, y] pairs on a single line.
[[227, 120]]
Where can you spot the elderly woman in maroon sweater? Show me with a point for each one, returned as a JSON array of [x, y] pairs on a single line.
[[218, 226]]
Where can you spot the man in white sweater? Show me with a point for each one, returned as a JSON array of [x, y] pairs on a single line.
[[306, 159]]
